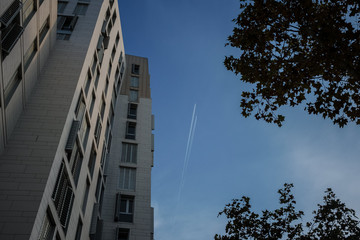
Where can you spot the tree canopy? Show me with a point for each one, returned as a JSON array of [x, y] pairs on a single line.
[[298, 52], [332, 220]]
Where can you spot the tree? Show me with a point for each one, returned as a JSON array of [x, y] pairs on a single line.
[[333, 220], [298, 52]]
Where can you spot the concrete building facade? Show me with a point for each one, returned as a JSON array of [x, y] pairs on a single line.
[[128, 190], [62, 67]]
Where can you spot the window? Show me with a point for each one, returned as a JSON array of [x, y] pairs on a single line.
[[134, 82], [117, 39], [121, 58], [129, 153], [133, 96], [106, 86], [124, 211], [75, 163], [109, 27], [113, 97], [61, 6], [111, 116], [28, 10], [123, 233], [78, 230], [113, 53], [10, 27], [94, 63], [30, 53], [132, 110], [84, 132], [47, 227], [127, 178], [66, 23], [43, 30], [92, 161], [97, 132], [92, 104], [102, 109], [86, 194], [65, 26], [135, 69], [101, 55], [87, 83], [97, 77], [110, 68], [63, 196], [130, 130], [81, 8], [85, 125], [98, 187], [12, 85], [104, 154], [80, 109], [113, 18]]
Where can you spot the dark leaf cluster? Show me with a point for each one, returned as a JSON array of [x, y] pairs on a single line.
[[298, 52], [332, 220]]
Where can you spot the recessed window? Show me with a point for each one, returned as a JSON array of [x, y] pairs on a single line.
[[111, 116], [134, 82], [130, 130], [113, 53], [85, 197], [133, 96], [47, 227], [63, 196], [80, 109], [87, 83], [102, 108], [98, 187], [66, 23], [92, 161], [121, 58], [106, 86], [81, 8], [97, 77], [10, 27], [123, 234], [28, 10], [61, 6], [117, 39], [75, 163], [113, 18], [78, 230], [135, 69], [132, 110], [30, 53], [65, 26], [97, 132], [92, 104], [124, 208], [94, 63], [129, 153], [44, 30], [127, 178], [12, 85]]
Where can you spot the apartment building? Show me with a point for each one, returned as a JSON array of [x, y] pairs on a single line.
[[127, 210], [62, 69]]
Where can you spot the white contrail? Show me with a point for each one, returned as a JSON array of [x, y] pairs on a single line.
[[187, 154]]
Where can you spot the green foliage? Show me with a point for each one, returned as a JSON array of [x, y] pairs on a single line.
[[298, 52], [333, 220]]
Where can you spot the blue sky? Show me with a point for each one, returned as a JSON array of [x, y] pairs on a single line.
[[231, 156]]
